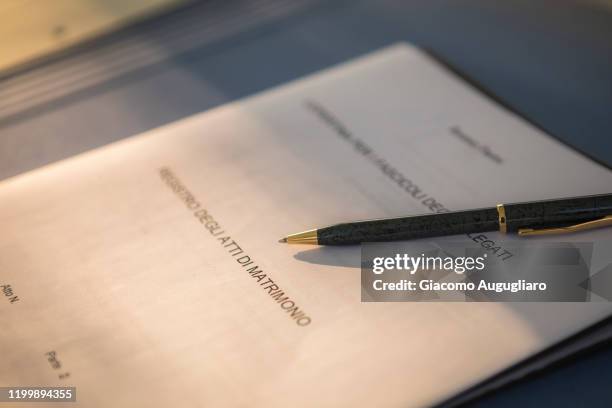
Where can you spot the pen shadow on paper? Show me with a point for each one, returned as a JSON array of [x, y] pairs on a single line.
[[540, 319], [344, 257]]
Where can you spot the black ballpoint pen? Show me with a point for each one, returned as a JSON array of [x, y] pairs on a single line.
[[526, 219]]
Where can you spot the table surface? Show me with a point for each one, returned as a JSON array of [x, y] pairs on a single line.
[[549, 60]]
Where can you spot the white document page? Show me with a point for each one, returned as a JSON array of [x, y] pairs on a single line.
[[128, 271]]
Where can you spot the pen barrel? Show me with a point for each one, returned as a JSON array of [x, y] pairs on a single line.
[[537, 214], [414, 227], [557, 213]]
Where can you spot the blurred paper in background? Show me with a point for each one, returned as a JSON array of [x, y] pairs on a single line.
[[36, 28]]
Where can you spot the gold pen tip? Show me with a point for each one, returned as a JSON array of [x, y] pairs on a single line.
[[307, 237], [282, 240]]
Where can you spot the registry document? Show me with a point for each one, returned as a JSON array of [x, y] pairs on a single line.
[[148, 274]]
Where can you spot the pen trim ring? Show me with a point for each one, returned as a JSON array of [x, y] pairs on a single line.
[[501, 212]]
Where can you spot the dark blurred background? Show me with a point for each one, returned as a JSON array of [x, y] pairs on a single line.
[[549, 60]]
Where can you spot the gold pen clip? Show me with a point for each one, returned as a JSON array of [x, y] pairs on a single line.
[[602, 222]]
